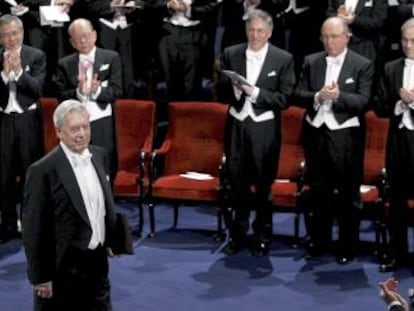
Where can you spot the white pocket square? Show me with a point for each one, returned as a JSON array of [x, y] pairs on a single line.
[[27, 68], [104, 83], [104, 67], [107, 178], [368, 3], [271, 74], [349, 81], [32, 107]]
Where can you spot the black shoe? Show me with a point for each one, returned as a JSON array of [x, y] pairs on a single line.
[[312, 251], [233, 247], [391, 265], [344, 260], [261, 247]]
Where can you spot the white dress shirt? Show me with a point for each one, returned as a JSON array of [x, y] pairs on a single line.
[[400, 107], [89, 100], [325, 113], [92, 193], [12, 105], [351, 5], [254, 64]]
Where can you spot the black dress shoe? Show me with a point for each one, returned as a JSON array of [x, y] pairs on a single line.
[[344, 260], [261, 247], [233, 246], [391, 265]]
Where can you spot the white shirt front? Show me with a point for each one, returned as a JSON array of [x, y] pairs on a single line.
[[91, 191], [400, 108], [351, 5], [324, 109], [12, 105], [254, 64], [89, 100]]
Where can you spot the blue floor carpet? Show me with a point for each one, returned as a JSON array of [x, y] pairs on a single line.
[[184, 269]]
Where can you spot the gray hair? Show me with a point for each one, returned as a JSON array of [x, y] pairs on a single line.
[[409, 23], [256, 13], [8, 18], [66, 107]]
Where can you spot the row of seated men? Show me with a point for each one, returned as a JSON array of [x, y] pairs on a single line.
[[161, 41], [333, 124]]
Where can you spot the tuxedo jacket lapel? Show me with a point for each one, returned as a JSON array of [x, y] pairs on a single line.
[[104, 182], [67, 176]]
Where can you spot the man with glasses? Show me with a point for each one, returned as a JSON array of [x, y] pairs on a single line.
[[23, 71], [335, 88], [94, 77]]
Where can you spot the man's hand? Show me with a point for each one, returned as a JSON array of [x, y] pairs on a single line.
[[329, 92], [177, 5], [407, 96], [12, 62], [44, 290], [388, 292], [346, 14]]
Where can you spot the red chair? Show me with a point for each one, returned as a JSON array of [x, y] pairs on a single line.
[[135, 121], [374, 184], [49, 105], [193, 143], [288, 186]]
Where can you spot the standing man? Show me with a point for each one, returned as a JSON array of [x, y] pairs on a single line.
[[183, 40], [23, 71], [335, 88], [397, 103], [253, 129], [93, 76], [68, 219]]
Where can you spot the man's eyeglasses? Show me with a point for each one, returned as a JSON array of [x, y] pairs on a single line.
[[10, 34]]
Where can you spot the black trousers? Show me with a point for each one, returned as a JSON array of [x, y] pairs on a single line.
[[180, 55], [334, 163], [21, 145], [400, 168], [252, 150], [81, 283]]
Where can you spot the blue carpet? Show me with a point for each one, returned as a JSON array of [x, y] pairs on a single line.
[[184, 269]]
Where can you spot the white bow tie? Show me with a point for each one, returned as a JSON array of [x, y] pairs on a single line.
[[85, 59], [409, 62], [333, 60], [255, 56], [81, 160]]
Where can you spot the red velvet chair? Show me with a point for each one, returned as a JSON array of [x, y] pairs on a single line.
[[374, 185], [193, 143], [49, 105], [289, 184], [135, 122]]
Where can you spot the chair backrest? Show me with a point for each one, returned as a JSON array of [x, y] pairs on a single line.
[[291, 151], [135, 120], [196, 134], [49, 105], [375, 147]]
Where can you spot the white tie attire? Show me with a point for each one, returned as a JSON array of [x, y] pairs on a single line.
[[254, 64], [86, 72], [91, 191], [400, 107], [325, 114]]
